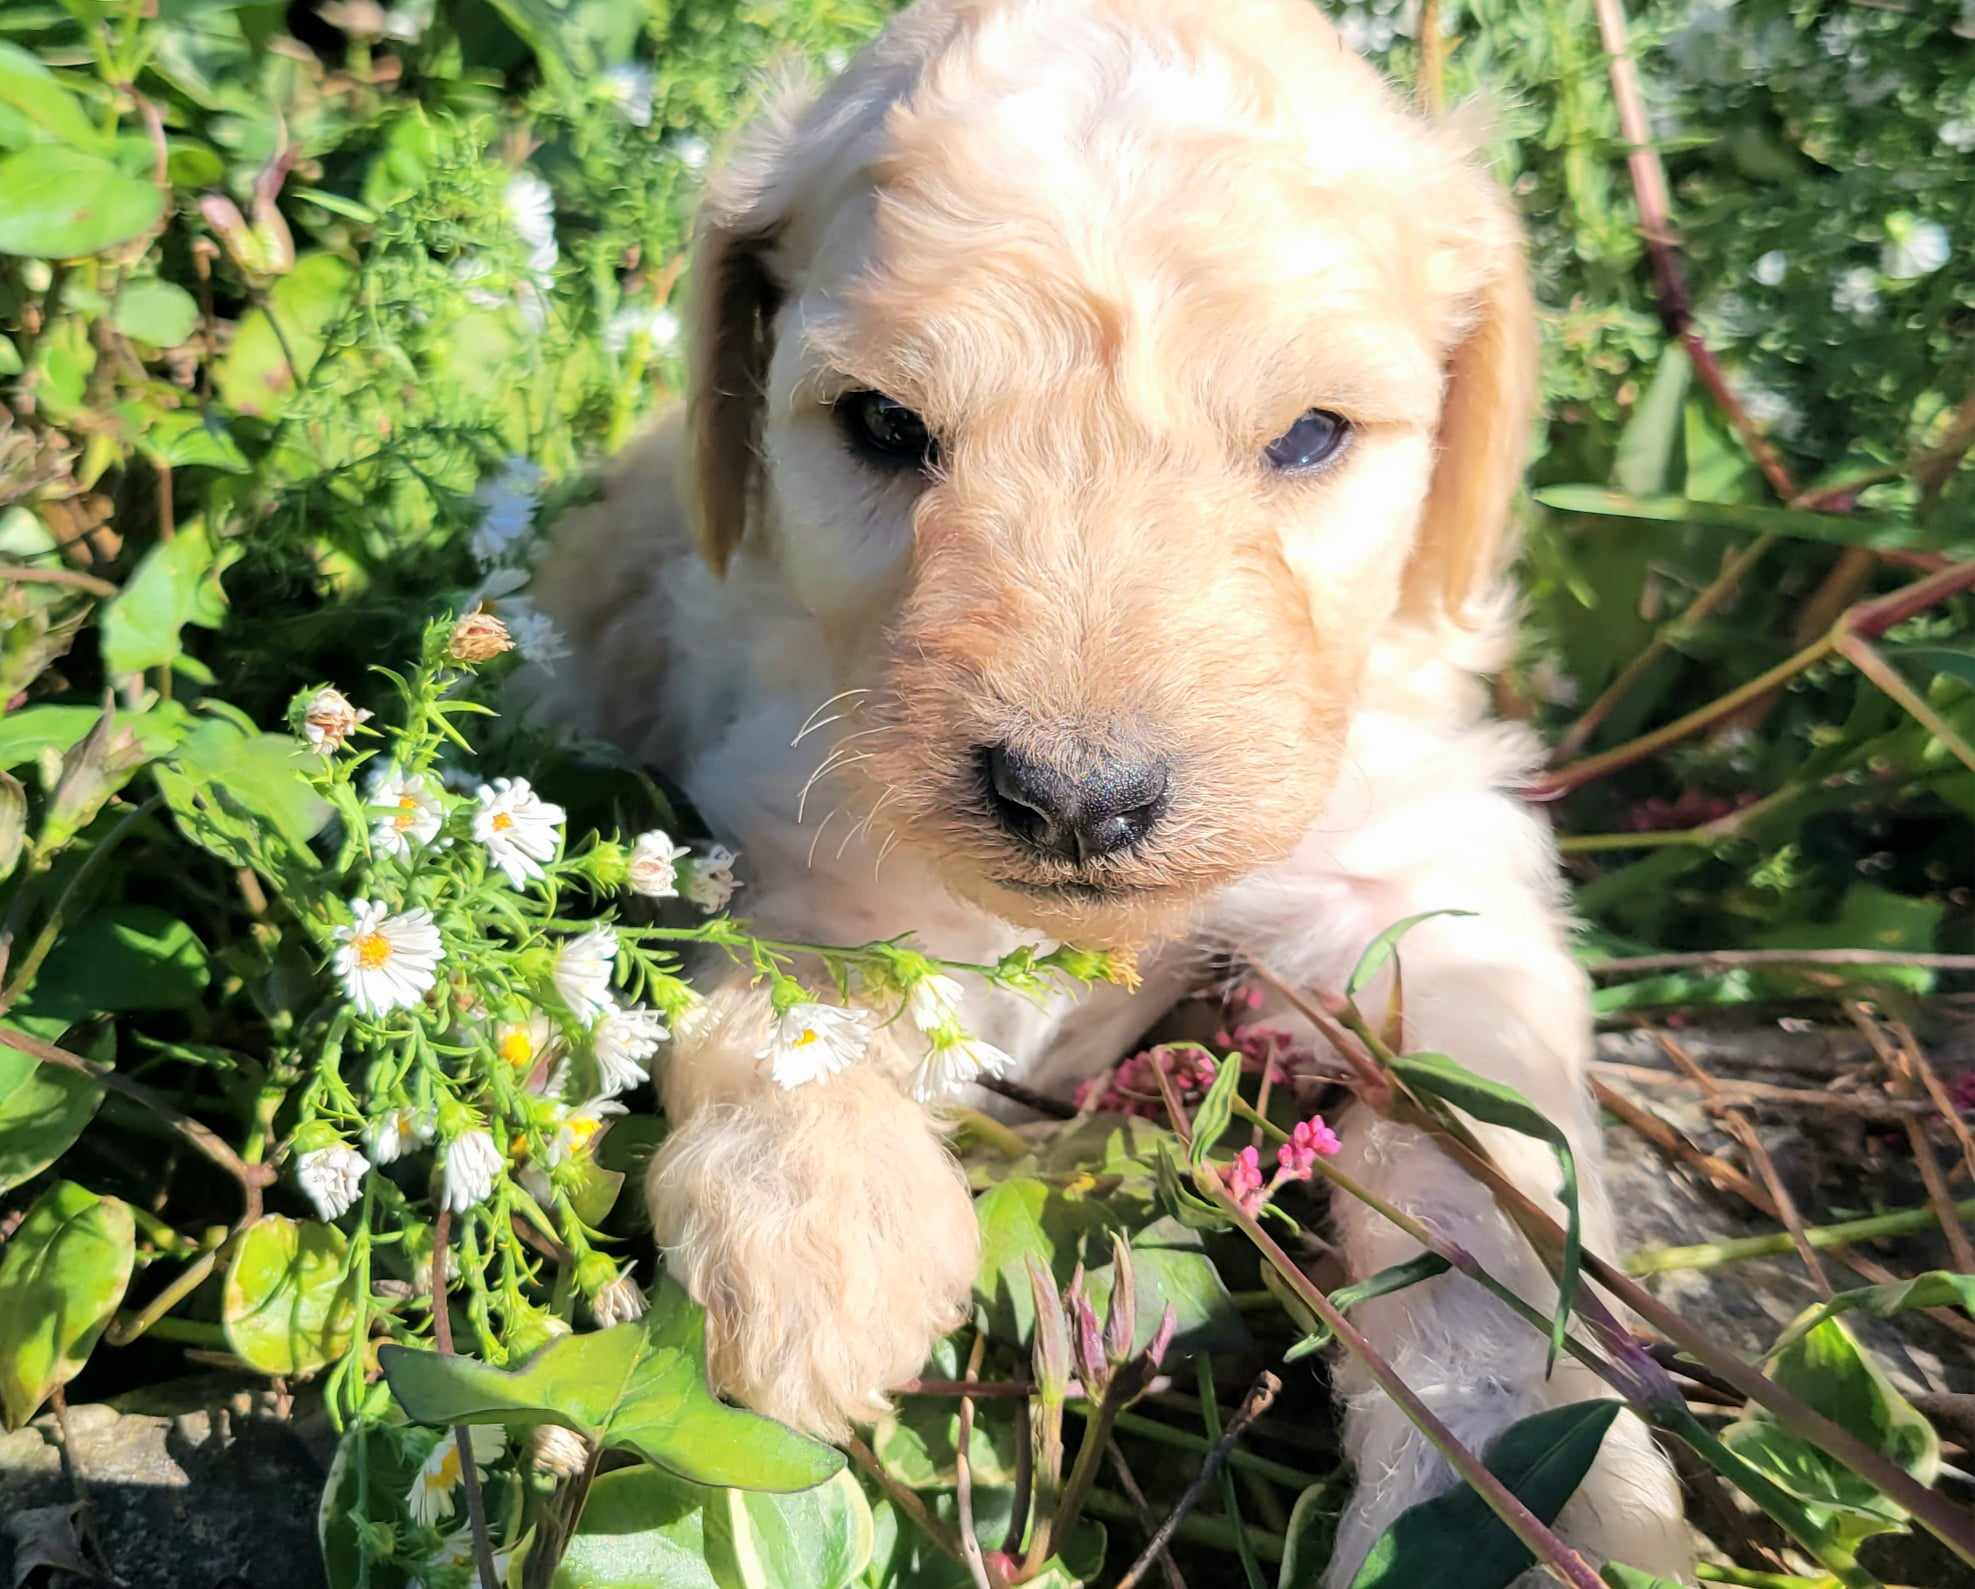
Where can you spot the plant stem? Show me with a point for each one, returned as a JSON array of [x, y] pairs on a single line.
[[963, 1478], [1198, 1530], [1736, 959], [904, 1499], [1713, 1254], [442, 1336], [1210, 1413]]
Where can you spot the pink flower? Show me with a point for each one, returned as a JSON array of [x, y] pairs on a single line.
[[1244, 1178], [1310, 1141]]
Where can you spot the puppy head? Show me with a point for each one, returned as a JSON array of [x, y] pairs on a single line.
[[1104, 377]]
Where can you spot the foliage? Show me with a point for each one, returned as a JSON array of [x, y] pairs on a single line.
[[310, 323]]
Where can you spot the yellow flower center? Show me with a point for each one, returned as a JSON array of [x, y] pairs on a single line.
[[373, 950], [581, 1130], [446, 1474], [502, 822], [803, 1038], [515, 1048]]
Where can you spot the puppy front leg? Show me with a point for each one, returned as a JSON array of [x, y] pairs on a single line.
[[825, 1228], [1511, 1007]]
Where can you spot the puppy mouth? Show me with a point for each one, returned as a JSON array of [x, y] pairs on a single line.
[[1083, 892]]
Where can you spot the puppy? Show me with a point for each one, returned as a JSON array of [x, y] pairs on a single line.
[[1110, 410]]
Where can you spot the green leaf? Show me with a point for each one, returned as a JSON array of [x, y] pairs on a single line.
[[1025, 1216], [1957, 662], [1170, 1266], [189, 440], [43, 1108], [63, 204], [919, 1442], [1456, 1539], [244, 797], [1938, 1288], [635, 1387], [1385, 945], [1501, 1105], [28, 87], [255, 377], [287, 1307], [1620, 1576], [641, 1529], [1836, 529], [385, 1468], [1396, 1278], [1649, 444], [1186, 1205], [820, 1538], [1828, 1369], [62, 1275], [125, 957], [28, 732], [176, 584], [154, 311], [1211, 1119], [1311, 1535]]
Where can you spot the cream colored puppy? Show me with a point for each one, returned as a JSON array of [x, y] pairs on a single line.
[[1121, 401]]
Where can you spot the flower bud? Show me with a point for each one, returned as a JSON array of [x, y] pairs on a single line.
[[595, 1271], [1121, 1320], [1052, 1335], [324, 717], [478, 637], [562, 1452], [1162, 1338], [1087, 1337], [608, 865]]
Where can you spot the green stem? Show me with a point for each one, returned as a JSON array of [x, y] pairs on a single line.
[[1712, 1254], [1131, 1423], [1214, 1532]]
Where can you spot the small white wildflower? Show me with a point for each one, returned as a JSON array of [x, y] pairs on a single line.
[[654, 866], [1959, 134], [387, 962], [710, 879], [430, 1498], [332, 1178], [523, 1043], [404, 1130], [330, 720], [1772, 268], [954, 1059], [659, 326], [560, 1452], [933, 1002], [629, 88], [520, 829], [531, 209], [577, 1129], [536, 635], [811, 1041], [1918, 249], [472, 1165], [507, 500], [692, 151], [582, 973], [413, 813], [618, 1303], [469, 269], [1856, 292], [624, 1042]]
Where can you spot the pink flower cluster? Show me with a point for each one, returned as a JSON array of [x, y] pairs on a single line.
[[1132, 1088], [1296, 1160]]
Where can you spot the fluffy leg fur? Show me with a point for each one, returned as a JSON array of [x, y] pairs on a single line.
[[826, 1230]]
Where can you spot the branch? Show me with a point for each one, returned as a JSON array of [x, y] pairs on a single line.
[[21, 575], [469, 1475], [1261, 1396]]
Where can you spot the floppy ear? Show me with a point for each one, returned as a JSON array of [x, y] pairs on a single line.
[[1464, 540]]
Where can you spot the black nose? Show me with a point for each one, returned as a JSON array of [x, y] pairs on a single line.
[[1096, 805]]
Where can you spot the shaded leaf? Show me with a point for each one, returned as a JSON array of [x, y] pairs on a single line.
[[1846, 529], [62, 1275], [125, 957], [1938, 1288], [43, 1108], [1309, 1539], [1211, 1118], [1026, 1217], [287, 1306]]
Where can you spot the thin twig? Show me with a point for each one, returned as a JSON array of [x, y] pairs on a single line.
[[1730, 1093], [1904, 1080], [1028, 1097], [1128, 1482], [963, 1478], [1866, 658], [442, 1336], [21, 575], [1261, 1396], [904, 1499], [1738, 959]]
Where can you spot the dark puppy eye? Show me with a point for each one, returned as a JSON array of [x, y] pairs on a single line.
[[886, 432], [1316, 438]]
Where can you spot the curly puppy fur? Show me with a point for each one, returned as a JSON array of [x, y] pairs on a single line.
[[1108, 249]]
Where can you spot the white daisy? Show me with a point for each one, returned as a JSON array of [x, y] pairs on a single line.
[[520, 829], [582, 973], [330, 720], [430, 1498], [811, 1041], [535, 634], [387, 962], [951, 1063], [523, 1043], [472, 1163], [618, 1303], [710, 879], [412, 812], [692, 151], [507, 501], [654, 870], [933, 1002], [332, 1178], [658, 326], [577, 1130], [531, 210], [630, 88], [1918, 248], [404, 1130], [624, 1042]]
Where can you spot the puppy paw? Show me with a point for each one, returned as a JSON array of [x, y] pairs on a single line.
[[829, 1235]]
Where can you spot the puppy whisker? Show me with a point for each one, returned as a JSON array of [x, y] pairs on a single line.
[[816, 838], [810, 725], [835, 762]]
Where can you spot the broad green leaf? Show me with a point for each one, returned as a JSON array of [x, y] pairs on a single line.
[[244, 797], [1311, 1535], [634, 1387], [58, 203], [255, 377], [125, 957], [154, 311], [1501, 1105], [28, 732], [177, 583], [641, 1528], [1456, 1539], [29, 88], [62, 1274], [820, 1538], [1938, 1288], [1649, 444], [186, 439], [1837, 529], [905, 1559], [43, 1108], [1026, 1216], [287, 1306], [1211, 1119], [919, 1441], [1385, 945]]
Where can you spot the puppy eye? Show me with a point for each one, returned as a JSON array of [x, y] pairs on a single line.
[[1316, 438], [886, 432]]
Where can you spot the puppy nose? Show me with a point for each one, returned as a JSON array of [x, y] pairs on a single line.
[[1104, 803]]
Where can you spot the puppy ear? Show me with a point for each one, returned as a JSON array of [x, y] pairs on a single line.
[[1464, 539], [734, 296]]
